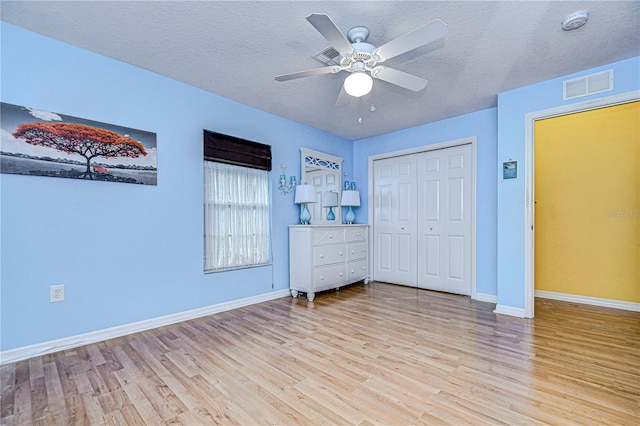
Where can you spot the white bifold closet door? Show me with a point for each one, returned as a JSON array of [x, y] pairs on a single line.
[[395, 221], [444, 220], [422, 219]]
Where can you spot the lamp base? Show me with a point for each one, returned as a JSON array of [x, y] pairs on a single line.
[[305, 215], [350, 217], [331, 215]]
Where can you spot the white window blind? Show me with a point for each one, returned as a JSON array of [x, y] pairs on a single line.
[[236, 204]]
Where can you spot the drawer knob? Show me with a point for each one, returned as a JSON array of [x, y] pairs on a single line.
[[321, 277], [340, 253], [341, 274], [352, 251], [321, 256], [364, 250], [352, 271], [357, 234], [330, 236], [364, 268]]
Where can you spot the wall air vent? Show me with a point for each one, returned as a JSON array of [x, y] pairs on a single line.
[[588, 85]]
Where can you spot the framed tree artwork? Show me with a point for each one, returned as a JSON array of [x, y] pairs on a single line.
[[44, 143]]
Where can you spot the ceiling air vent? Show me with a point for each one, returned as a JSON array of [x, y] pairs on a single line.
[[328, 56], [588, 85]]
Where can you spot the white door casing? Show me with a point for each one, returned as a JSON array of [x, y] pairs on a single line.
[[529, 178]]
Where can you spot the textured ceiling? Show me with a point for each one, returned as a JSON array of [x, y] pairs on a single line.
[[235, 48]]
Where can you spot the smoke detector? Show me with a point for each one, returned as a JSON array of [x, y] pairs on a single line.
[[575, 20]]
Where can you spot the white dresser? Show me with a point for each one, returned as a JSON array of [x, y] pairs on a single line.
[[323, 257]]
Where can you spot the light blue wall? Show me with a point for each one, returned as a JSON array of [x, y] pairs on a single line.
[[128, 253], [124, 252], [483, 125], [512, 108]]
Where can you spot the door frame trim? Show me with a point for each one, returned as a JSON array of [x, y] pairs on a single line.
[[473, 140], [529, 178]]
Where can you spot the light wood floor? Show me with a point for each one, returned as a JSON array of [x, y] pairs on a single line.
[[376, 354]]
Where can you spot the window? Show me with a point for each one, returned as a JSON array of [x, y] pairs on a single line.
[[236, 204]]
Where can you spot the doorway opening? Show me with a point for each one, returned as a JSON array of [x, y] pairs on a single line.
[[530, 120]]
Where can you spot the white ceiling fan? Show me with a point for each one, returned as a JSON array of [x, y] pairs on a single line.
[[363, 60]]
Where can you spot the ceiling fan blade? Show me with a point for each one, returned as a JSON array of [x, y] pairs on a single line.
[[399, 78], [425, 34], [308, 73], [343, 98], [328, 29]]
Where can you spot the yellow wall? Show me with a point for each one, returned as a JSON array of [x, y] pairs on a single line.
[[587, 180]]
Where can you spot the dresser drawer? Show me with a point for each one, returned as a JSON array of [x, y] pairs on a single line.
[[326, 236], [357, 251], [357, 270], [328, 254], [356, 234], [329, 275]]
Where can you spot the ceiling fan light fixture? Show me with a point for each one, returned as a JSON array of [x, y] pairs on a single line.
[[358, 84]]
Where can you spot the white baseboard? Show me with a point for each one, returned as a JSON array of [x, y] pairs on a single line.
[[509, 310], [486, 297], [587, 300], [51, 346]]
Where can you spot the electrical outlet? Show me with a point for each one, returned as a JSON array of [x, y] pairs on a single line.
[[56, 293]]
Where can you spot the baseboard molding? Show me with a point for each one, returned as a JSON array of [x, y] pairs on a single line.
[[587, 300], [509, 310], [486, 297], [51, 346]]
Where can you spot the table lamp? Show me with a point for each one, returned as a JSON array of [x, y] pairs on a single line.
[[305, 194], [330, 199], [350, 198]]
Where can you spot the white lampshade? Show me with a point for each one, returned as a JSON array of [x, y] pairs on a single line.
[[330, 199], [350, 198], [358, 84], [305, 194]]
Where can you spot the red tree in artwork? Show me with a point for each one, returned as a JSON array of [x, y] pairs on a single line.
[[88, 141]]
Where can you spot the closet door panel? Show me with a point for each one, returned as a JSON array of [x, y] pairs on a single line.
[[456, 199], [431, 197], [404, 252], [432, 255], [444, 225], [456, 257], [395, 220], [384, 253]]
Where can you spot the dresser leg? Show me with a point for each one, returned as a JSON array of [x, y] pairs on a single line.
[[294, 293], [311, 296], [366, 281]]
